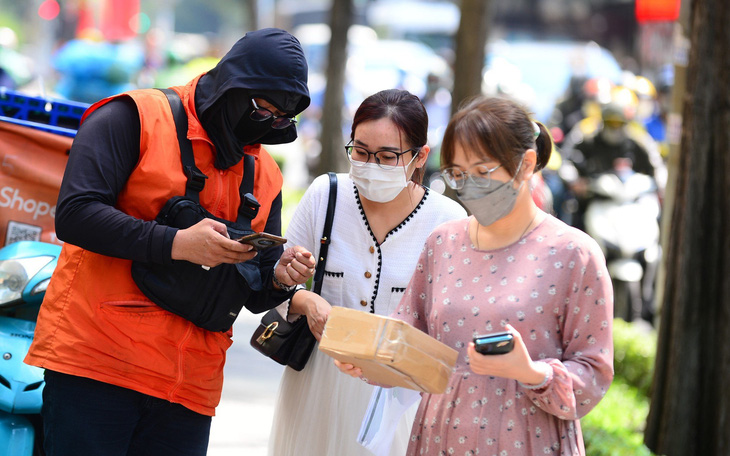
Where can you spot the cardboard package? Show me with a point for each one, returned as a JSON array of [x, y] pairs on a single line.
[[388, 351]]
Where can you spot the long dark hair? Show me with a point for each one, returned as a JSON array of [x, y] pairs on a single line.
[[497, 128], [406, 112]]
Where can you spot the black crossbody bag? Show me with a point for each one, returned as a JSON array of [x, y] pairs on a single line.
[[210, 298], [291, 343]]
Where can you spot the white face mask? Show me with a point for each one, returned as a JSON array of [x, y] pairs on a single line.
[[378, 184]]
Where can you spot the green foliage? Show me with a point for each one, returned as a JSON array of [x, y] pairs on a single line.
[[290, 200], [11, 15], [634, 355], [616, 426], [279, 159]]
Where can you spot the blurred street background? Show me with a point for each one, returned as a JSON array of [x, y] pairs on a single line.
[[600, 74], [84, 50], [243, 419]]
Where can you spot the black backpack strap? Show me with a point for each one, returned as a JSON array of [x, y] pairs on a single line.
[[249, 204], [326, 234], [196, 179]]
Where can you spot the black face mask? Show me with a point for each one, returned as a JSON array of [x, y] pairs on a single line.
[[230, 128], [249, 131]]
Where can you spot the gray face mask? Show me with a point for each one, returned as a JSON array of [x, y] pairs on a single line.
[[491, 203]]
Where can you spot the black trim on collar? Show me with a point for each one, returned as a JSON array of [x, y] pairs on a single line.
[[375, 241]]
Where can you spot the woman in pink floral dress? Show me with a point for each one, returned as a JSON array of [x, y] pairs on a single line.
[[511, 267]]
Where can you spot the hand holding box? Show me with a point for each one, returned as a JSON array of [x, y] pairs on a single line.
[[389, 351]]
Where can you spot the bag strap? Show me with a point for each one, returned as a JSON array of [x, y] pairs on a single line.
[[196, 179], [249, 204], [326, 234]]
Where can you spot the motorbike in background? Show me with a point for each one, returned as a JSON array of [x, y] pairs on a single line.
[[36, 134], [622, 215], [25, 271]]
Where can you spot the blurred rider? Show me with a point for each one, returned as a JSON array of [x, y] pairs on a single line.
[[615, 144]]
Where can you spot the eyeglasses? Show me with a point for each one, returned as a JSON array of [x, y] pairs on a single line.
[[260, 114], [481, 176], [386, 159]]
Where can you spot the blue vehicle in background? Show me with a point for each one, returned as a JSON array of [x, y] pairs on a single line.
[[35, 137], [25, 271], [91, 70]]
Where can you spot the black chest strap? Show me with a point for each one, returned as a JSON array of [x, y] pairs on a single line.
[[196, 179]]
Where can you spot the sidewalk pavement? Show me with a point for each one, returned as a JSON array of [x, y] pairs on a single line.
[[251, 380]]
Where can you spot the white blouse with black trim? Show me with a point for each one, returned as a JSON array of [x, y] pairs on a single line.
[[359, 272]]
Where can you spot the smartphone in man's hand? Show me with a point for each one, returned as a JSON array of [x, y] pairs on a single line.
[[261, 241]]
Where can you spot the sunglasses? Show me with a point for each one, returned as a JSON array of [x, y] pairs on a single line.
[[260, 114]]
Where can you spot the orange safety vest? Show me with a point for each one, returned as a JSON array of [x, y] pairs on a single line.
[[96, 323]]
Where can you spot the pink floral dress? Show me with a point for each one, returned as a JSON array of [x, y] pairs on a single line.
[[553, 287]]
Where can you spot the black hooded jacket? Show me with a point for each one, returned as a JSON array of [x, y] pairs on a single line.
[[267, 63], [257, 66]]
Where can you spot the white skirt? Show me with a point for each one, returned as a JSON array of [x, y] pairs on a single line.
[[319, 411]]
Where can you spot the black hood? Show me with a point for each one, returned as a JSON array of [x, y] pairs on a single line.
[[267, 63]]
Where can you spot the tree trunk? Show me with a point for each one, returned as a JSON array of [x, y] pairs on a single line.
[[471, 39], [252, 14], [690, 407], [332, 156], [471, 42]]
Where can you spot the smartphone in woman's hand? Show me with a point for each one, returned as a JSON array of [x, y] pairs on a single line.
[[494, 344]]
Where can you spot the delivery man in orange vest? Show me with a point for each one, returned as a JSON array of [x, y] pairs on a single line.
[[124, 376]]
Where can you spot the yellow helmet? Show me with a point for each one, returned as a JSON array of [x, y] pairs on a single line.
[[621, 107], [644, 88], [598, 89]]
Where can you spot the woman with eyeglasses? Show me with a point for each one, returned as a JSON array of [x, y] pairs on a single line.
[[508, 267], [382, 217]]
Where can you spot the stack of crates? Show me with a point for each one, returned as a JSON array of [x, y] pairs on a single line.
[[36, 135], [55, 116]]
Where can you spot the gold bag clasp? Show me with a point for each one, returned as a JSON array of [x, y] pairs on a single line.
[[268, 332]]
